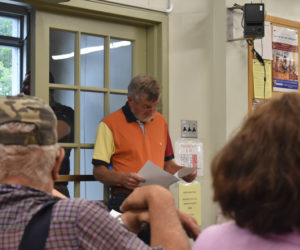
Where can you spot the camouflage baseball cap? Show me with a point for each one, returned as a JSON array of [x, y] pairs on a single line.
[[28, 109]]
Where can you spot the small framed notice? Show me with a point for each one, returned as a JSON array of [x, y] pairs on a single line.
[[189, 199]]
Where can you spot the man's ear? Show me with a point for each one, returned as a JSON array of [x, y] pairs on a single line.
[[130, 101], [58, 161]]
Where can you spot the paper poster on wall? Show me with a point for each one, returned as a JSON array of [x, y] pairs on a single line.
[[189, 153], [262, 88], [189, 199], [285, 59]]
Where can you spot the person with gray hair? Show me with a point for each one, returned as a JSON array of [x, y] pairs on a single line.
[[30, 159], [128, 138]]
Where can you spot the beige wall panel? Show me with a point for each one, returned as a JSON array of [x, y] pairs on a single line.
[[197, 81]]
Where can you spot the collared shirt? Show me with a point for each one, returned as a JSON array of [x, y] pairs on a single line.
[[122, 141], [75, 223]]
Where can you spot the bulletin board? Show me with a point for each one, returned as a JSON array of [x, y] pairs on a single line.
[[283, 66]]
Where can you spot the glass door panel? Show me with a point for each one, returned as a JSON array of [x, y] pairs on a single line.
[[92, 61], [92, 190], [120, 63], [91, 113], [116, 101], [62, 103], [62, 60]]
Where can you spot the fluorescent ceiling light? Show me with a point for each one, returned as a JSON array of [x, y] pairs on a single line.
[[88, 50]]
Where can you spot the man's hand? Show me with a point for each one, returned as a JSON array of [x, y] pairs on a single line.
[[130, 180], [136, 209], [190, 177], [142, 197], [171, 167], [111, 178], [134, 218], [166, 228]]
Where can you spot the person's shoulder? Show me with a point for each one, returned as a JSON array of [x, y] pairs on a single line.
[[115, 115], [74, 207], [221, 228], [79, 202], [216, 235], [159, 116]]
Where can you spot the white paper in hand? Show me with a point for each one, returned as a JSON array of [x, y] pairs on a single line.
[[155, 175], [184, 171]]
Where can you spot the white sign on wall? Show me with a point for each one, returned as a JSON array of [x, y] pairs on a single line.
[[189, 153]]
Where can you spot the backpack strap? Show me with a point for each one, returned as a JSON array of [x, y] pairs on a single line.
[[37, 229]]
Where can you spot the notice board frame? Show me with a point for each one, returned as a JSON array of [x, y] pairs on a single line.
[[277, 21]]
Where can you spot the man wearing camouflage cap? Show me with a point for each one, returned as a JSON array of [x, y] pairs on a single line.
[[31, 111], [29, 163]]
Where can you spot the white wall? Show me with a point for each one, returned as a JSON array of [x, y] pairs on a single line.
[[197, 85]]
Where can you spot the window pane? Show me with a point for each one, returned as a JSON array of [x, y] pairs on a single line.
[[91, 190], [72, 172], [62, 62], [9, 70], [116, 102], [91, 113], [72, 165], [67, 167], [92, 61], [9, 26], [62, 103], [86, 166], [71, 189], [120, 63]]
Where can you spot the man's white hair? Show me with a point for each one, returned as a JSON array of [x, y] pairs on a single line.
[[34, 162]]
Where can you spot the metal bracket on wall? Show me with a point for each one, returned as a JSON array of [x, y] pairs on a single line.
[[235, 30]]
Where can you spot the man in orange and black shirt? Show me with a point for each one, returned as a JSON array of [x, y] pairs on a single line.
[[129, 137]]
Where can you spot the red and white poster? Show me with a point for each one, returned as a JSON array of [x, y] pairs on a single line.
[[285, 59]]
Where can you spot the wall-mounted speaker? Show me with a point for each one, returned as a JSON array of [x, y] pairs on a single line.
[[254, 17]]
